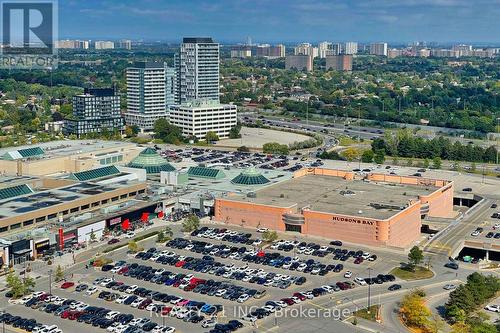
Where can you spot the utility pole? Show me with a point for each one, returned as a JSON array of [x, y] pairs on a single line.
[[307, 112]]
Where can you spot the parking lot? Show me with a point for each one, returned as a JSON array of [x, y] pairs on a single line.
[[225, 274]]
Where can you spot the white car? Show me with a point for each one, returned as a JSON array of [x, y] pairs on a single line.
[[121, 299], [366, 255], [257, 242], [270, 308], [243, 298], [249, 318], [347, 274], [136, 303], [25, 299], [111, 314], [449, 287], [91, 290], [130, 234], [131, 289], [182, 313], [262, 230], [360, 281], [328, 289], [475, 233], [493, 308]]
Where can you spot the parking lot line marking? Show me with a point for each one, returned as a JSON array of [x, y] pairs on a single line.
[[317, 305]]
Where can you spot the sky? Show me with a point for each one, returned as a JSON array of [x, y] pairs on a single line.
[[283, 20]]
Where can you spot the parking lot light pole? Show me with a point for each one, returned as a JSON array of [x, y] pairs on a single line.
[[50, 281], [369, 288]]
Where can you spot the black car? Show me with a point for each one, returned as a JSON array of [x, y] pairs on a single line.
[[394, 287], [452, 265]]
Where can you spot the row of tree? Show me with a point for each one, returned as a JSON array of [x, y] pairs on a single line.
[[404, 143]]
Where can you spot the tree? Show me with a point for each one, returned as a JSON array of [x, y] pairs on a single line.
[[92, 236], [367, 156], [59, 273], [160, 237], [133, 247], [436, 162], [414, 312], [29, 283], [270, 236], [211, 136], [460, 327], [415, 256], [379, 157], [168, 232], [426, 163], [351, 154], [15, 285], [234, 132], [275, 148], [167, 132], [191, 223]]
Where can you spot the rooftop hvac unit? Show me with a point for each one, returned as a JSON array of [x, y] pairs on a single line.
[[252, 195]]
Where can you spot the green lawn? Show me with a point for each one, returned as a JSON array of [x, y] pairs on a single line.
[[420, 273], [363, 313]]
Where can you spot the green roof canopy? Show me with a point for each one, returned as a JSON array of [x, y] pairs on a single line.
[[95, 173], [23, 153], [14, 191], [202, 172], [149, 160], [250, 177]]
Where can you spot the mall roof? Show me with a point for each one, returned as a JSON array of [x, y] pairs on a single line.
[[203, 172], [31, 202], [149, 160], [23, 153], [336, 195], [14, 191], [250, 177], [61, 148], [95, 173]]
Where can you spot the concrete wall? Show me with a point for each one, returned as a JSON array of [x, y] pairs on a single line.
[[440, 201], [251, 215]]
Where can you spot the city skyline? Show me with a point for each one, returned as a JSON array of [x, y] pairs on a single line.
[[290, 21]]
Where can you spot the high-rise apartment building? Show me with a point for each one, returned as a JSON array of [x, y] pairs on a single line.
[[197, 70], [241, 51], [324, 48], [342, 62], [146, 94], [306, 49], [72, 44], [268, 51], [379, 49], [351, 48], [299, 62], [169, 85], [95, 111], [104, 45], [197, 117], [125, 44]]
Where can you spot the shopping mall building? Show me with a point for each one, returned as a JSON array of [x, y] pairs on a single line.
[[372, 209]]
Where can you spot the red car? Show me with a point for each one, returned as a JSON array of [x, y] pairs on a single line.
[[189, 287], [113, 241], [144, 304], [166, 310], [123, 270], [288, 301], [74, 315], [65, 314], [299, 296], [67, 285], [358, 260], [180, 263]]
